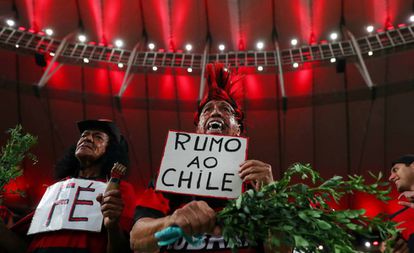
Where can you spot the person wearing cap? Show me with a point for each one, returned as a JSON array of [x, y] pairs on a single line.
[[218, 113], [402, 174], [99, 148]]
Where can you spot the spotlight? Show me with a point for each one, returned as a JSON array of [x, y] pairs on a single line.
[[10, 22], [412, 18], [151, 46], [85, 60], [52, 54], [154, 68], [333, 36], [17, 46], [295, 65], [260, 68], [221, 47], [120, 65], [370, 28], [82, 38], [333, 59], [367, 244], [119, 43], [188, 47], [226, 69], [294, 42], [189, 70], [370, 53], [49, 31], [260, 45], [320, 247]]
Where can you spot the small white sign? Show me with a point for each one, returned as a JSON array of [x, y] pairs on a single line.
[[202, 164], [69, 204]]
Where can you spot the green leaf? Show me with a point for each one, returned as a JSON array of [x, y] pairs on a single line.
[[239, 201], [300, 241], [323, 224]]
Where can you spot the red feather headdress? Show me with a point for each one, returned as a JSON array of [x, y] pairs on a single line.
[[221, 86]]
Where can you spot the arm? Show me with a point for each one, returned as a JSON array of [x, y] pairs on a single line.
[[142, 233], [112, 207], [194, 218]]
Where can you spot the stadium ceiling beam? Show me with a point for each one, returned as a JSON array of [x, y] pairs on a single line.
[[128, 75], [362, 68], [51, 69]]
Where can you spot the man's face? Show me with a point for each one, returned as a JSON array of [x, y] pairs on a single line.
[[218, 117], [403, 176], [91, 146]]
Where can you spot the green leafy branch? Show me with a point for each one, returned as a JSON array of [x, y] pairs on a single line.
[[299, 215], [13, 153]]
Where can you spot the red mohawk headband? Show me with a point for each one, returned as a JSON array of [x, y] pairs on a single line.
[[221, 86]]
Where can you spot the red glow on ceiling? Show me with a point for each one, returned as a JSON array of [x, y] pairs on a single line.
[[180, 22], [160, 10], [188, 86], [96, 81], [163, 86], [319, 14], [42, 8], [299, 83], [302, 13], [117, 76], [381, 13], [94, 8], [254, 87], [112, 14], [30, 13], [241, 46]]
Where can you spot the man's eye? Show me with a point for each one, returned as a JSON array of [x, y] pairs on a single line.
[[206, 110]]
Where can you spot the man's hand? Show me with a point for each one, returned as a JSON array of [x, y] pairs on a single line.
[[112, 206], [409, 195], [196, 218], [257, 172]]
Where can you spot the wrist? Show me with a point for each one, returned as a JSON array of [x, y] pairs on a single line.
[[169, 221], [113, 228]]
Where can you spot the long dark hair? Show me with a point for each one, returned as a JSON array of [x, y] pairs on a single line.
[[69, 165]]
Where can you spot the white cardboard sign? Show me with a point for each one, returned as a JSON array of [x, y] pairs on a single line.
[[202, 164], [69, 204]]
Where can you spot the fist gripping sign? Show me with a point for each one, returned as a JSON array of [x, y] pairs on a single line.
[[69, 204]]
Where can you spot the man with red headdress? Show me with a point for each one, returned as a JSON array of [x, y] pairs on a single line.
[[218, 113]]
